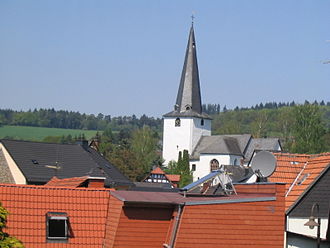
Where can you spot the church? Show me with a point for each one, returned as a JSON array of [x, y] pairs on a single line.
[[187, 127]]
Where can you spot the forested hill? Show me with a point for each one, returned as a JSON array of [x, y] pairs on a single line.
[[74, 120], [262, 120], [306, 125]]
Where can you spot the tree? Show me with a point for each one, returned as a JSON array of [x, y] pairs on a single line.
[[308, 129], [124, 159], [182, 168], [7, 241], [258, 126], [144, 147], [172, 168]]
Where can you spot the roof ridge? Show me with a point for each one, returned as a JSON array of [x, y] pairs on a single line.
[[42, 187]]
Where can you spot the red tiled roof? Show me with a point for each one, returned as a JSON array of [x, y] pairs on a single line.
[[157, 170], [252, 224], [67, 182], [99, 220], [231, 224], [173, 178], [28, 205], [298, 171]]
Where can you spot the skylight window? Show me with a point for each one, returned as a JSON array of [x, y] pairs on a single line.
[[302, 179], [57, 225]]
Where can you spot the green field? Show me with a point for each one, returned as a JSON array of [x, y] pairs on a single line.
[[39, 133]]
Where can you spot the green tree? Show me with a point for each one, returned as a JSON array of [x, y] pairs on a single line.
[[7, 241], [181, 167], [144, 147], [259, 125], [179, 162], [124, 159], [172, 168], [308, 129], [186, 174]]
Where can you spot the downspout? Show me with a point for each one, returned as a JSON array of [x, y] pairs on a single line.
[[175, 228]]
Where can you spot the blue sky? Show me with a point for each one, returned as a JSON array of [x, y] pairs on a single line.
[[125, 57]]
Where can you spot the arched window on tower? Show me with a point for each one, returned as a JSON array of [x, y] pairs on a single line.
[[214, 165], [202, 122], [177, 122]]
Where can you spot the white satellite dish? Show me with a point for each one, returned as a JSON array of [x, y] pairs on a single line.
[[263, 164]]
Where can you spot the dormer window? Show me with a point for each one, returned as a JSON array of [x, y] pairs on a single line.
[[57, 225], [177, 122]]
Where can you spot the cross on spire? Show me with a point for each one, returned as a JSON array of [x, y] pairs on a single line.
[[192, 18]]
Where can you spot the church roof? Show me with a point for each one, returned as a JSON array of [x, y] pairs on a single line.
[[188, 101], [218, 144], [235, 144], [269, 144]]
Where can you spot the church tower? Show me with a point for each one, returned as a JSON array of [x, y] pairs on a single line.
[[186, 124]]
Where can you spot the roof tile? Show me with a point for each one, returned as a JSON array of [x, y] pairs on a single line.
[[298, 171], [86, 208]]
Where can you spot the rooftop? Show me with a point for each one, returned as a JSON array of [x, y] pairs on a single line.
[[39, 162], [298, 171]]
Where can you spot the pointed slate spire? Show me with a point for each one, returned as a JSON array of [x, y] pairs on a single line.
[[189, 96]]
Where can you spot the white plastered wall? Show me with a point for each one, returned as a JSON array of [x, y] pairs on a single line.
[[15, 171], [184, 137], [296, 225], [203, 164]]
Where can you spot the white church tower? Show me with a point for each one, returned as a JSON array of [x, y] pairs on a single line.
[[186, 124]]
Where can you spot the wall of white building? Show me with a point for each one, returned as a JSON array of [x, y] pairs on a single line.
[[183, 137], [296, 225], [15, 171], [203, 164]]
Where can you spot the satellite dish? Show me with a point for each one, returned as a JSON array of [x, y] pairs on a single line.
[[263, 164]]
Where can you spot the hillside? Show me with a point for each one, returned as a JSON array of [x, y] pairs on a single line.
[[40, 133], [261, 120]]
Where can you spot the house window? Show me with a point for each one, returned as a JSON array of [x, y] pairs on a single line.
[[57, 227], [177, 122], [214, 165], [235, 161], [193, 167]]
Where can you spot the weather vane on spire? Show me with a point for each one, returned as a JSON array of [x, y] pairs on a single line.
[[192, 18]]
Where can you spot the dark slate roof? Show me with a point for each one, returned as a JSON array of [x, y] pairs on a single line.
[[220, 144], [234, 144], [268, 144], [188, 101], [187, 113], [32, 158], [317, 192], [114, 176]]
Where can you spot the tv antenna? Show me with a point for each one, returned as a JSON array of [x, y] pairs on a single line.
[[263, 165]]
